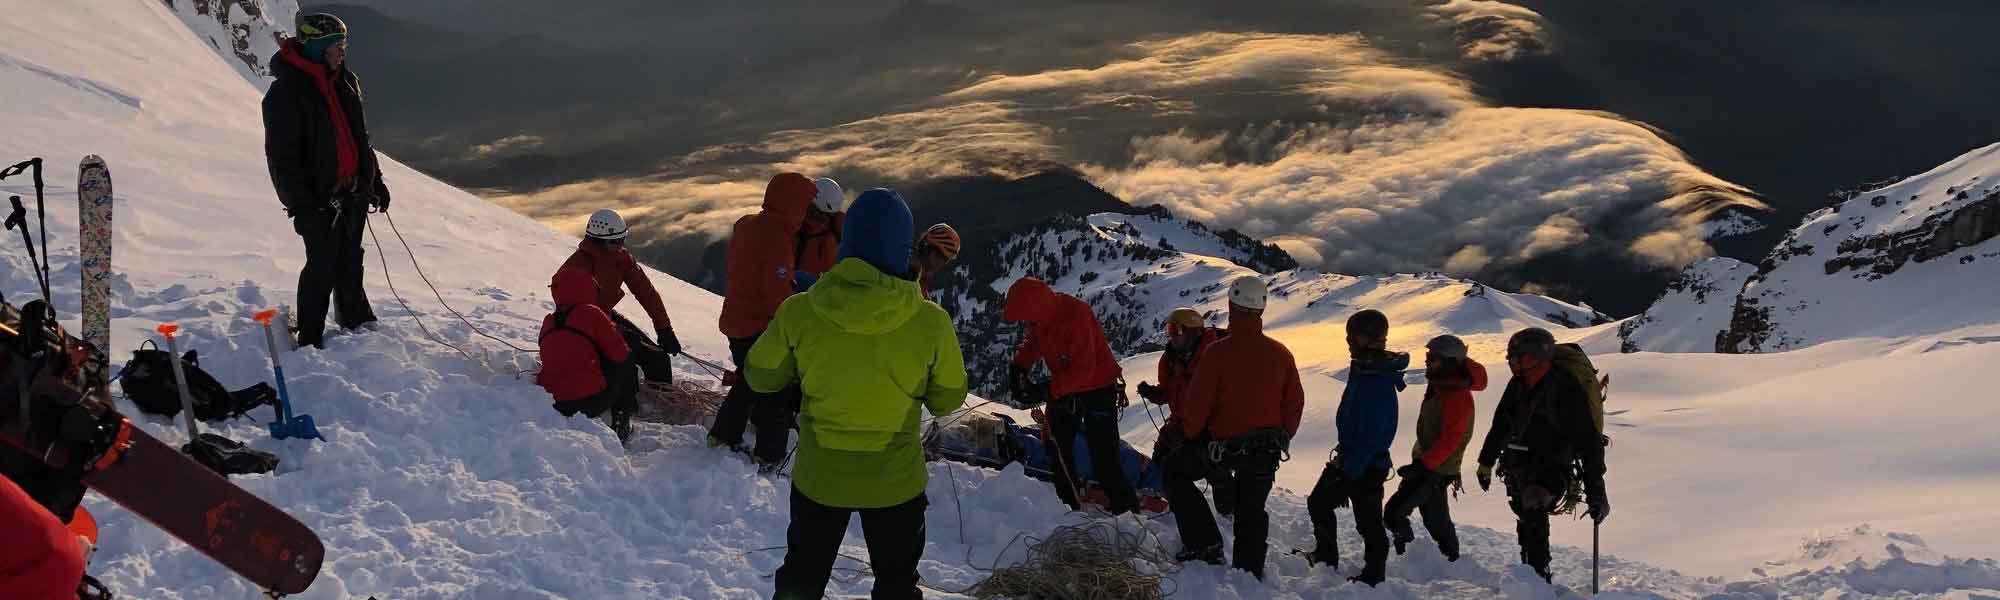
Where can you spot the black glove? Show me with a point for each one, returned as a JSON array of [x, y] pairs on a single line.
[[668, 341], [1485, 477], [1152, 393], [380, 199], [1414, 472], [1600, 504]]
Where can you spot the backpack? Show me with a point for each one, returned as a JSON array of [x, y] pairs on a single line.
[[1571, 359], [561, 323], [148, 380]]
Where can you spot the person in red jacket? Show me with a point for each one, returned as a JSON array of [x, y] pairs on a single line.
[[1064, 335], [1444, 429], [1246, 395], [1188, 334], [40, 559], [586, 366], [818, 245], [759, 278], [603, 255]]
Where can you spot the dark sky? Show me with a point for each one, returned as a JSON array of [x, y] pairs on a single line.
[[1363, 135]]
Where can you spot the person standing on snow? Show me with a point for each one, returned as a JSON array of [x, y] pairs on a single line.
[[867, 352], [1366, 420], [935, 250], [1544, 436], [1444, 430], [324, 170], [819, 236], [41, 559], [1064, 335], [1187, 337], [603, 255], [759, 279], [586, 365], [1247, 397]]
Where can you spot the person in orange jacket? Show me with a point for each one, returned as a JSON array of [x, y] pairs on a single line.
[[1247, 396], [1064, 335], [41, 559], [1188, 335], [1444, 429], [818, 246], [603, 255], [586, 366], [759, 278]]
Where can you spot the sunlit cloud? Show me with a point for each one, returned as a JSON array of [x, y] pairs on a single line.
[[1492, 30]]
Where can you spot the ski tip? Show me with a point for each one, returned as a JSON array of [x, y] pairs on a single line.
[[92, 159]]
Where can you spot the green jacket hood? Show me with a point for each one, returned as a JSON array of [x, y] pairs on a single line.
[[859, 298]]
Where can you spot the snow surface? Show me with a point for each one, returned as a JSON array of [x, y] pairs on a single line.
[[1687, 317], [448, 477]]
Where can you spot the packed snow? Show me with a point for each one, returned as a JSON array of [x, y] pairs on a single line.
[[447, 476]]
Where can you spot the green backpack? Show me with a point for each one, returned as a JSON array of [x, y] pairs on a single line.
[[1571, 359]]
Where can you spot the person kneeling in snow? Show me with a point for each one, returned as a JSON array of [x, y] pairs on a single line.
[[866, 351], [1444, 429], [603, 255], [586, 365], [1246, 395]]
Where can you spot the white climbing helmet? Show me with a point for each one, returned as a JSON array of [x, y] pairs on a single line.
[[1248, 292], [605, 224], [830, 198]]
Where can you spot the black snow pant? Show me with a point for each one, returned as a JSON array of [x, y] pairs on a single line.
[[1253, 472], [620, 394], [1097, 412], [1531, 526], [655, 362], [1365, 496], [333, 268], [1220, 481], [895, 536], [1431, 494], [773, 413]]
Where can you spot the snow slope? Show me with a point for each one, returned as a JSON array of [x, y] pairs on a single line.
[[1691, 314], [448, 477]]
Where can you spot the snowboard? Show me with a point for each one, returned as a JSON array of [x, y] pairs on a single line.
[[119, 460], [93, 207]]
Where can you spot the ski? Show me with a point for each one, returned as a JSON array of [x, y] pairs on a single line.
[[78, 432], [93, 205]]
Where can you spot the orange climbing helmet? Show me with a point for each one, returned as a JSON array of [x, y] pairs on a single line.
[[943, 238]]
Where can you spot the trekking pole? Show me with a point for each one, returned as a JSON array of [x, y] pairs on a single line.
[[180, 377], [1594, 525], [286, 425]]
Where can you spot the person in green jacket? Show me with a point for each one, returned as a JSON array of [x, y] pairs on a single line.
[[869, 354]]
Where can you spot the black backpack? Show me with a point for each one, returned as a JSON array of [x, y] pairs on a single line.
[[148, 380]]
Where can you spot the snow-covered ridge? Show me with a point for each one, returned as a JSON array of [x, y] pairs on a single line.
[[1692, 313], [244, 33]]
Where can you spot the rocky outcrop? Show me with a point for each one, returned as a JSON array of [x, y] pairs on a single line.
[[245, 33]]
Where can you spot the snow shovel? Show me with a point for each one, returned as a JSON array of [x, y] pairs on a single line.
[[287, 425], [219, 454]]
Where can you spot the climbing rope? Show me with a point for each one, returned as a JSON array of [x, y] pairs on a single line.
[[1088, 562], [427, 282], [406, 305]]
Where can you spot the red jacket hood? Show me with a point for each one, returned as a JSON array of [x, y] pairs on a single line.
[[1030, 300], [1476, 378], [788, 196], [573, 286]]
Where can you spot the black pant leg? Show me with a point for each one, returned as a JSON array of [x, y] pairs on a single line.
[[1437, 519], [734, 413], [1255, 474], [348, 293], [1532, 527], [774, 415], [1328, 494], [812, 544], [657, 365], [1365, 496], [1063, 422], [1100, 430], [315, 229], [1221, 484], [895, 538], [1191, 516], [1410, 493]]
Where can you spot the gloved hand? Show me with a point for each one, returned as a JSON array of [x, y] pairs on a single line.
[[668, 341], [1485, 477], [1017, 384], [380, 199], [1600, 504], [1152, 393], [1414, 472]]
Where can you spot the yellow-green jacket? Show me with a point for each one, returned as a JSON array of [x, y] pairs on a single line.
[[867, 350]]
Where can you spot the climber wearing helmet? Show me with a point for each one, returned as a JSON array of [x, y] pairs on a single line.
[[603, 254], [935, 250]]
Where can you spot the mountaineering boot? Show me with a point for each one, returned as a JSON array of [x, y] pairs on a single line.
[[1317, 558], [621, 424], [1371, 580], [1211, 554], [1401, 539]]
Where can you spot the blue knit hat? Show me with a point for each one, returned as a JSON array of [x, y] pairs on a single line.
[[879, 230]]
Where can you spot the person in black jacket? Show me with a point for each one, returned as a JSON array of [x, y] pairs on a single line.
[[325, 171], [1543, 438]]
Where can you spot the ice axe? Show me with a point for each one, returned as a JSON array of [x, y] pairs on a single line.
[[287, 425]]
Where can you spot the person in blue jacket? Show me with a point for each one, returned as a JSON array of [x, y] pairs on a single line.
[[1366, 421]]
